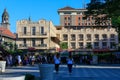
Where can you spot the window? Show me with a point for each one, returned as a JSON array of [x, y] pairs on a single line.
[[42, 41], [104, 36], [65, 24], [65, 18], [24, 42], [68, 24], [73, 37], [96, 44], [73, 45], [79, 24], [33, 30], [65, 37], [88, 45], [25, 30], [80, 44], [104, 44], [96, 36], [81, 37], [42, 30], [78, 18], [112, 36], [33, 42], [112, 45], [88, 37], [69, 18]]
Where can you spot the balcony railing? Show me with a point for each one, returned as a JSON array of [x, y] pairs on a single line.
[[65, 39], [72, 39], [112, 39], [23, 45], [96, 39], [36, 34], [89, 39], [105, 39], [80, 39], [73, 47], [42, 45]]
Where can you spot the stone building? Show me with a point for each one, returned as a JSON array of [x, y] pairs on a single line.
[[36, 35], [82, 33]]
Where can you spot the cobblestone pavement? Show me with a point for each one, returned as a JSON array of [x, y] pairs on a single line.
[[80, 72]]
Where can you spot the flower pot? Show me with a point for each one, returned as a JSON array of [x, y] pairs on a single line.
[[2, 66], [46, 71]]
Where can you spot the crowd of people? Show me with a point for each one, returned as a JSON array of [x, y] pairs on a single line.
[[31, 59]]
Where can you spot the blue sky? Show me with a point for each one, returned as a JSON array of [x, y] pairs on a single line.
[[37, 9]]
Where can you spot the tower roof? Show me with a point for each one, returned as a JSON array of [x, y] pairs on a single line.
[[5, 13]]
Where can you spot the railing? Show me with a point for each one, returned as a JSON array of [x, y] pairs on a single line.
[[89, 39], [65, 39], [72, 39], [80, 39], [36, 34]]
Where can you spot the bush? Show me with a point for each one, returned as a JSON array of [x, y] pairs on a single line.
[[29, 77]]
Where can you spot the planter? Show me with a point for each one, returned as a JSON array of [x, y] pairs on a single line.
[[2, 66], [12, 77], [46, 71]]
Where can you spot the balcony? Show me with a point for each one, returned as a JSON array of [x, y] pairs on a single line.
[[72, 39], [112, 39], [29, 34], [105, 39], [43, 45], [43, 34], [96, 39], [96, 47], [89, 39], [80, 39], [22, 46], [73, 47], [65, 39]]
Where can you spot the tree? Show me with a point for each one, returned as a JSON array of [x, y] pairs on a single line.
[[109, 7], [64, 45]]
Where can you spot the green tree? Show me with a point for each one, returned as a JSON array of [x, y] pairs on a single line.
[[64, 45], [109, 7]]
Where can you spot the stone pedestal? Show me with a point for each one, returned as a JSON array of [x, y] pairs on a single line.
[[12, 77], [46, 71], [2, 66]]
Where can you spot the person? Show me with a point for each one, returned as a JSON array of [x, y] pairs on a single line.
[[33, 60], [19, 60], [57, 62], [70, 63]]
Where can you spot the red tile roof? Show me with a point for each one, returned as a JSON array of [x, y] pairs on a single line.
[[6, 32], [67, 8]]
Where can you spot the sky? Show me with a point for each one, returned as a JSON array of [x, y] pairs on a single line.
[[36, 9]]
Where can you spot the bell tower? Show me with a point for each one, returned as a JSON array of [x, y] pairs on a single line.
[[5, 19]]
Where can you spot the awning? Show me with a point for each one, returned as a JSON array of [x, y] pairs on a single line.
[[31, 49], [101, 50]]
